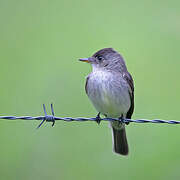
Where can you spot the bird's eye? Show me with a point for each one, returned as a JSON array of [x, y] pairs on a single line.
[[99, 58]]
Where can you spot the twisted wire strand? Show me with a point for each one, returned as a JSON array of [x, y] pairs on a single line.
[[52, 118]]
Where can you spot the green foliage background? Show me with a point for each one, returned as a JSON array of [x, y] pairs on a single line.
[[40, 44]]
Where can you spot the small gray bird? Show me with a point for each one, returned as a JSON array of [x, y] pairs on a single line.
[[110, 88]]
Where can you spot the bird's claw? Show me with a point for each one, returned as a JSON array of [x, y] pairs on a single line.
[[98, 118], [121, 119]]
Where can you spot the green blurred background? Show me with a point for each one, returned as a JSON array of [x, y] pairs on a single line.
[[40, 44]]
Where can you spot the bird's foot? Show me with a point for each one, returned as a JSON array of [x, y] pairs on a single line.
[[98, 118], [121, 120]]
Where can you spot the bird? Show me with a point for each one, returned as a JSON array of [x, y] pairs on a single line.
[[110, 88]]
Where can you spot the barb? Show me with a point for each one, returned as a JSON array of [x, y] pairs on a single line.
[[48, 118], [52, 118]]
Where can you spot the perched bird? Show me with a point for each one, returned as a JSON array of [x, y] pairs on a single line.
[[110, 88]]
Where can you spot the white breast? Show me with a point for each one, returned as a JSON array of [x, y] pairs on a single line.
[[108, 93]]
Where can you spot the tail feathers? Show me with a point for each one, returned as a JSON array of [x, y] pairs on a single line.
[[120, 141]]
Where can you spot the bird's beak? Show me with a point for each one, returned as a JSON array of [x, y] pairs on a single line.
[[87, 60]]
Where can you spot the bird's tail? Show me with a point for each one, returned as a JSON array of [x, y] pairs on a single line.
[[120, 141]]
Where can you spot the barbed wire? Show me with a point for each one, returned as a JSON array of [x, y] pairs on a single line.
[[52, 118]]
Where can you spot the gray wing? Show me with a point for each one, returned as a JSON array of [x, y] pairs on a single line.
[[127, 76]]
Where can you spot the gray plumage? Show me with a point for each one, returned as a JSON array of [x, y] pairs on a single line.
[[110, 88]]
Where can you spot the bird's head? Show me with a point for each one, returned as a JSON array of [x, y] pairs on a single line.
[[106, 58]]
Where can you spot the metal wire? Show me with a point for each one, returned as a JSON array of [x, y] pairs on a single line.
[[52, 118]]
